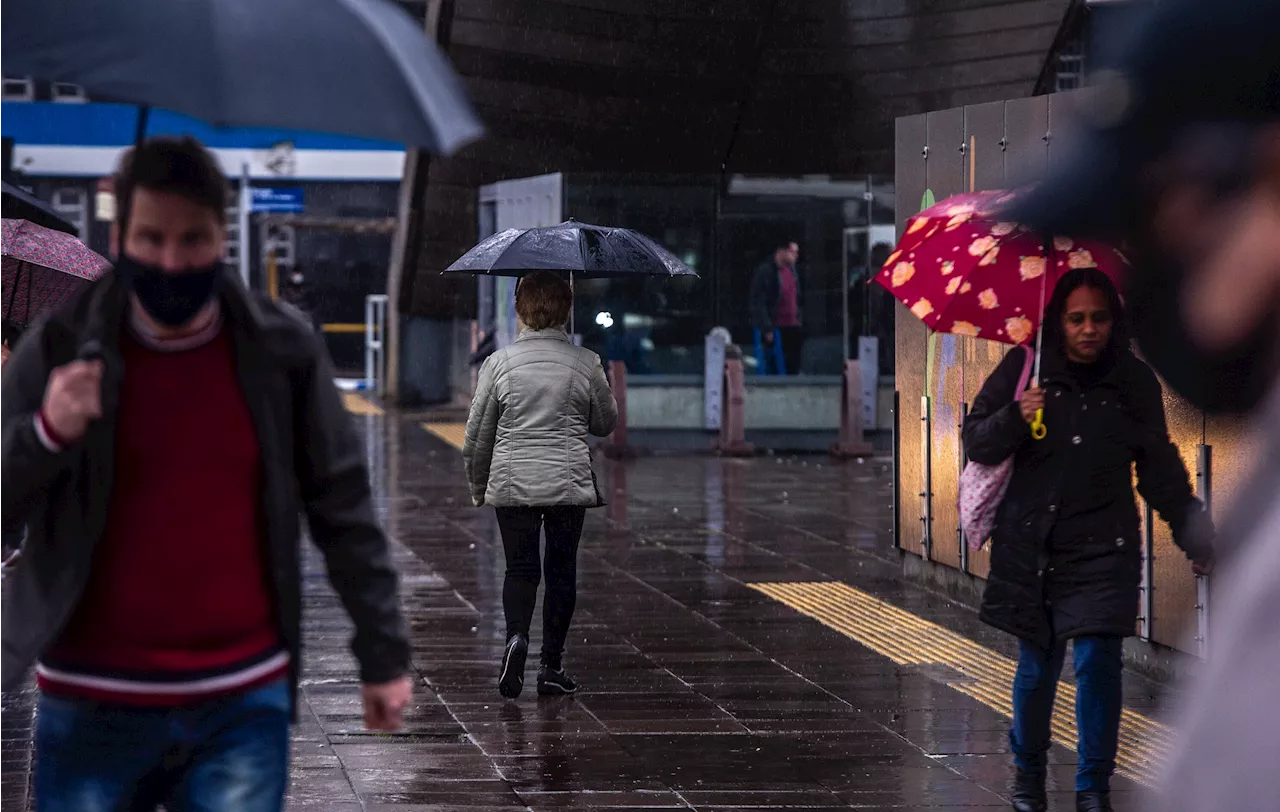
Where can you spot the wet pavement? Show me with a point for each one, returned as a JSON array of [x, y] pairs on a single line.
[[744, 640]]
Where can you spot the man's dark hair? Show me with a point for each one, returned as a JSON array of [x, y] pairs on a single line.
[[177, 165], [785, 244]]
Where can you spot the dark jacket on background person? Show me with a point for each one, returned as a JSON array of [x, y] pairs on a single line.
[[313, 463], [298, 295], [1066, 556], [766, 289]]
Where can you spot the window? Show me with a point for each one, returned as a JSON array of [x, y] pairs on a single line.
[[19, 90], [1071, 65], [68, 93]]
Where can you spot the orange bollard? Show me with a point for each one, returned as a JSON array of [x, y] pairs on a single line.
[[852, 442], [617, 447], [733, 430]]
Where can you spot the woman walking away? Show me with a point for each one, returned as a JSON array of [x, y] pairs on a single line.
[[1066, 557], [527, 455]]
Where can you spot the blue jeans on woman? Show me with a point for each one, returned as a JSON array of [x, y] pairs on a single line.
[[1098, 704], [229, 754]]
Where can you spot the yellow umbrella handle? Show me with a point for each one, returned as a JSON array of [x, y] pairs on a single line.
[[1038, 431]]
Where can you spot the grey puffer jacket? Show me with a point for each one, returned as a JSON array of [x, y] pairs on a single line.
[[535, 403]]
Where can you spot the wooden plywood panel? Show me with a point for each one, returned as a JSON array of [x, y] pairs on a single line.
[[910, 336], [945, 172], [1068, 113], [1026, 125], [984, 135], [1174, 595]]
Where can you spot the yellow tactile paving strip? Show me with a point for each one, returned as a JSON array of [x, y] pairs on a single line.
[[451, 433], [358, 404], [908, 639]]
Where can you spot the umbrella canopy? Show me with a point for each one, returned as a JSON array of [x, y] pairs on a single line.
[[19, 205], [358, 67], [582, 249], [42, 269], [960, 269]]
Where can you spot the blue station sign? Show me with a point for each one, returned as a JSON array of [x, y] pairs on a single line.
[[277, 199]]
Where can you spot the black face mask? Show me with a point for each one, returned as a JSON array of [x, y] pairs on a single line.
[[172, 299], [1231, 380]]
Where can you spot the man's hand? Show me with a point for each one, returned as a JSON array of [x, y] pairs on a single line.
[[1032, 401], [768, 336], [384, 704], [73, 398], [1203, 567]]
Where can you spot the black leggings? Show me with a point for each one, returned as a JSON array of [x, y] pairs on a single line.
[[521, 528]]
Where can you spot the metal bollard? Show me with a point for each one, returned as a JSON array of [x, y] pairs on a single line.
[[852, 442], [617, 447], [733, 430]]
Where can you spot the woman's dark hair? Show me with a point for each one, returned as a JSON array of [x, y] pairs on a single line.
[[1070, 282], [543, 300]]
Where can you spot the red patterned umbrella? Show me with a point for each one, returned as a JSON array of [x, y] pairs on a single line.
[[43, 269], [960, 269]]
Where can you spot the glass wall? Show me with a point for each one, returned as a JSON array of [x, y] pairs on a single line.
[[844, 229]]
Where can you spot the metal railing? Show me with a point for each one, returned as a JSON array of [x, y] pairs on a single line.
[[375, 330]]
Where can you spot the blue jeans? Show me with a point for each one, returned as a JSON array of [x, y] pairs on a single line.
[[229, 754], [1098, 705]]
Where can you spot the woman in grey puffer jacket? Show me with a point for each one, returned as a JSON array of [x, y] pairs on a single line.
[[527, 455]]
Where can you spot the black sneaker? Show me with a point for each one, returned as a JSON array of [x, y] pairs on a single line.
[[555, 682], [511, 680]]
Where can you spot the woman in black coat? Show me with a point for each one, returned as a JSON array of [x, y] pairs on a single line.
[[1066, 559]]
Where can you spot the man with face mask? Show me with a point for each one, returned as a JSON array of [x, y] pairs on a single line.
[[162, 434], [1183, 163]]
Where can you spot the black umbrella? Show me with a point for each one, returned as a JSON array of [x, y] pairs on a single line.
[[358, 67], [583, 250], [20, 205]]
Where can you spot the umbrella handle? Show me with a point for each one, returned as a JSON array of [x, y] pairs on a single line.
[[1038, 431]]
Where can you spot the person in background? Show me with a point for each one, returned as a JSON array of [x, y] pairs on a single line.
[[12, 538], [775, 305], [527, 455], [162, 437], [296, 293], [1066, 556]]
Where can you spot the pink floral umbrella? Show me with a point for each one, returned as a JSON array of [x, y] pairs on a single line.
[[962, 270], [42, 270]]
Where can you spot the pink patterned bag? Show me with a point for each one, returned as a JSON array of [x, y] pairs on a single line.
[[982, 487]]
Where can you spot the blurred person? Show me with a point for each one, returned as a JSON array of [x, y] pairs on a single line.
[[297, 293], [162, 434], [1066, 556], [775, 304], [1182, 160], [527, 455], [12, 537]]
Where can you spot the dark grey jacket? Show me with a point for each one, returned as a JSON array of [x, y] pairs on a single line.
[[313, 463]]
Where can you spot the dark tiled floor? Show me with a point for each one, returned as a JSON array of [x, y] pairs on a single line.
[[699, 692]]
